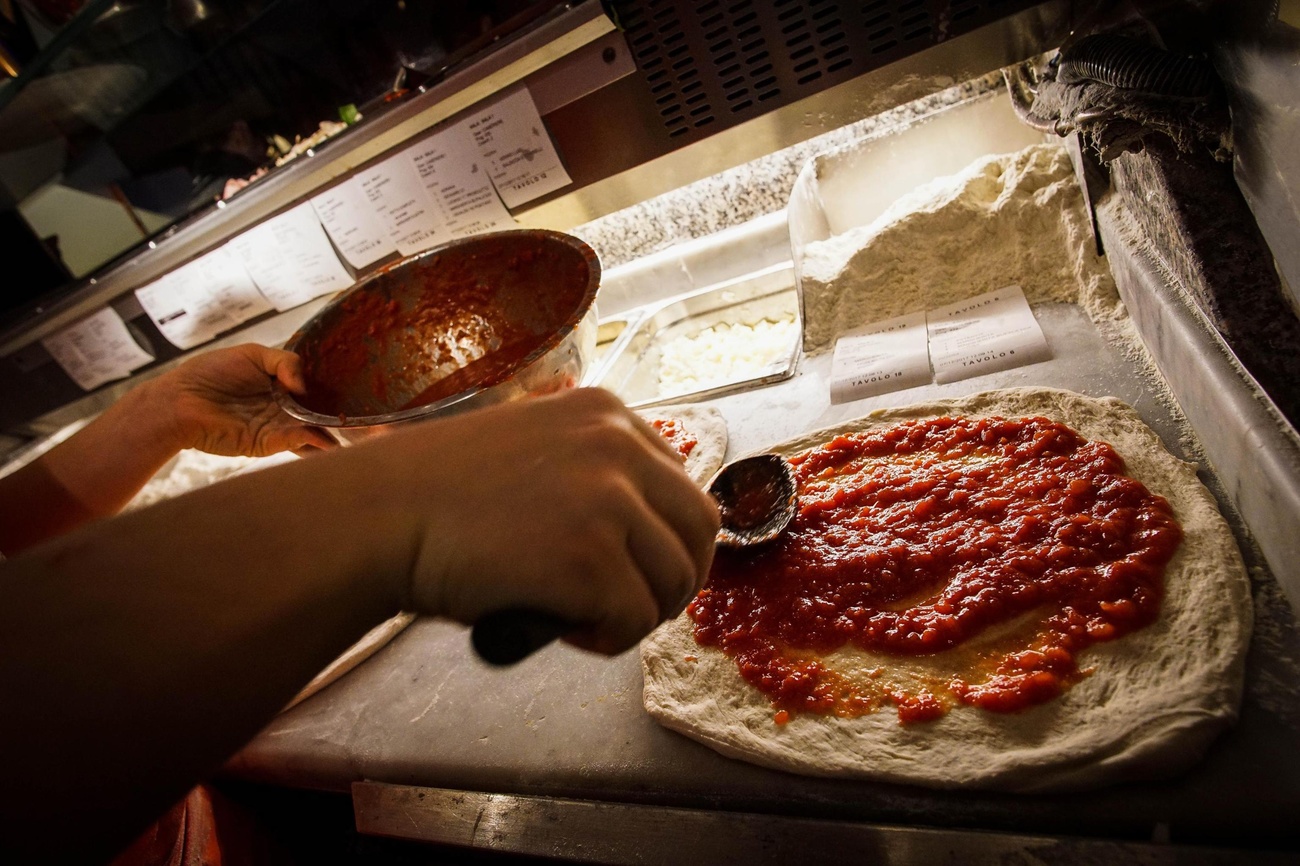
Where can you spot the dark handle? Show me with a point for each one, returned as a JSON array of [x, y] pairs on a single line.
[[511, 635]]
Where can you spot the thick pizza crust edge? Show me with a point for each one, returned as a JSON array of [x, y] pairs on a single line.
[[1154, 702]]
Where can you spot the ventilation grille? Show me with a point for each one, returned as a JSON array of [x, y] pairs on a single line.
[[721, 62]]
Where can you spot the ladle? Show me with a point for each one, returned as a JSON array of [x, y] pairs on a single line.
[[756, 501]]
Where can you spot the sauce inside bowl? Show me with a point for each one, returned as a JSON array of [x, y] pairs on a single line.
[[454, 320]]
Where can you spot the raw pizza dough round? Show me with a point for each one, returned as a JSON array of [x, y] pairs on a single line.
[[708, 427], [1153, 703]]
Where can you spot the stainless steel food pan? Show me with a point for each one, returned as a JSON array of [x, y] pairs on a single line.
[[631, 368]]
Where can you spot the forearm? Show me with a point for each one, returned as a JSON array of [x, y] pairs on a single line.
[[229, 608], [136, 654], [91, 475]]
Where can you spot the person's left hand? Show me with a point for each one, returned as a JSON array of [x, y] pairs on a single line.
[[221, 403]]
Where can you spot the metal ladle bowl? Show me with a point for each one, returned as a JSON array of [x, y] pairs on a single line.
[[756, 499]]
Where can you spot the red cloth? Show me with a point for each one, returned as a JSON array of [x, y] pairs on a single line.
[[204, 829]]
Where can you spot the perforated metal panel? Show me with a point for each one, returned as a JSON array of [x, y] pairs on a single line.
[[714, 63]]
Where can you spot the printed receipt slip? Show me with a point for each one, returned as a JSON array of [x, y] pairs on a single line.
[[881, 357], [984, 334]]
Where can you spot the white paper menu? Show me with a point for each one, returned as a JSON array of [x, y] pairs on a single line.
[[521, 158], [413, 219], [201, 299], [96, 349], [456, 176], [984, 334], [880, 357], [351, 222], [290, 258]]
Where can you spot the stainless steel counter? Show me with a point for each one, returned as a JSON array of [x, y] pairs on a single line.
[[424, 711]]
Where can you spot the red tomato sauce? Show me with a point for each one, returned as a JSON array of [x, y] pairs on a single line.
[[678, 436], [997, 549], [748, 503], [439, 328]]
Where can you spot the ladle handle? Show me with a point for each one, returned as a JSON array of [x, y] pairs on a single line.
[[507, 636]]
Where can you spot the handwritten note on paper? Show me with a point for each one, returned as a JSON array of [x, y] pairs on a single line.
[[96, 349], [413, 219], [456, 176], [202, 299], [521, 157], [290, 258], [352, 224], [984, 334], [884, 356]]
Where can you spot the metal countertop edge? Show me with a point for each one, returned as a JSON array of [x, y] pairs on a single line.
[[1250, 446], [619, 833]]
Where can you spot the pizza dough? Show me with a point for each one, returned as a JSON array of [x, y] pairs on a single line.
[[1154, 701], [708, 427]]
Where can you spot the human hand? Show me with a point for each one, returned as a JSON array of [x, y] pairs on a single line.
[[221, 402], [568, 504]]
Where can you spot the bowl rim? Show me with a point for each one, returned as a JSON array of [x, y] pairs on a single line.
[[290, 405]]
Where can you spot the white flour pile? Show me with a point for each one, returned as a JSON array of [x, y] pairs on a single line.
[[723, 353], [1016, 218]]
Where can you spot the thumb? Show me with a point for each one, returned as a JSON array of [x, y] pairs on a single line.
[[283, 366]]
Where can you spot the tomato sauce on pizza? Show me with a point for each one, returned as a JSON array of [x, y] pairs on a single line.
[[679, 438], [1002, 547]]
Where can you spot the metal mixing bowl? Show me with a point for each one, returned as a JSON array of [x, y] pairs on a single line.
[[473, 322]]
